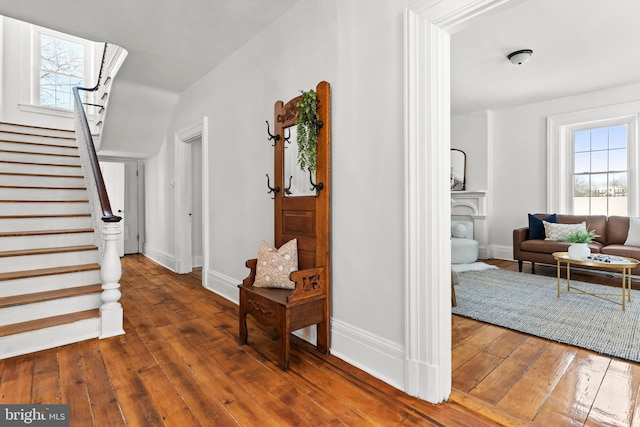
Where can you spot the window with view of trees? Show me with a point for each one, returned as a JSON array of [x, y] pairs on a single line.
[[600, 170], [62, 66]]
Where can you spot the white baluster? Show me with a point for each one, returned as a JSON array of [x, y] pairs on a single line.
[[110, 273]]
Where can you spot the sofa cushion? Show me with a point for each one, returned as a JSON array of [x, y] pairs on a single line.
[[622, 250], [597, 223], [550, 246], [536, 229], [617, 228], [633, 235]]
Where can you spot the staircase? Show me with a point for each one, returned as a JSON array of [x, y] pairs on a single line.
[[50, 286]]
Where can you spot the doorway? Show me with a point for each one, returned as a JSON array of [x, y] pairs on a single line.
[[428, 26], [191, 200], [123, 179]]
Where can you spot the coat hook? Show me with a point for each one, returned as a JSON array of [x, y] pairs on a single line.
[[319, 125], [273, 190], [319, 186], [286, 138], [287, 189], [275, 138]]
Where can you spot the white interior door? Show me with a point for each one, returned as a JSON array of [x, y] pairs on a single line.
[[113, 174], [133, 203], [195, 211]]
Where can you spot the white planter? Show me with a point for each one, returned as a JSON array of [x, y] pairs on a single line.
[[579, 251]]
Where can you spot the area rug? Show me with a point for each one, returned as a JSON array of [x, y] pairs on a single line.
[[528, 303], [472, 266]]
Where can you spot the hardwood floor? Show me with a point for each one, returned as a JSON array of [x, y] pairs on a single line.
[[545, 382], [180, 364]]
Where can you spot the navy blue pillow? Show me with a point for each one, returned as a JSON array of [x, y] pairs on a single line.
[[536, 228]]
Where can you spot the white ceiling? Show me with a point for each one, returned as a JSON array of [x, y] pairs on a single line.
[[578, 46], [154, 32]]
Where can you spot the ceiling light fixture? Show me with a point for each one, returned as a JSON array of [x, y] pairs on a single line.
[[519, 57]]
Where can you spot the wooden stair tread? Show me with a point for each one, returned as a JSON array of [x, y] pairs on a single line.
[[36, 127], [49, 295], [45, 232], [32, 325], [35, 187], [39, 164], [39, 153], [12, 275], [49, 175], [45, 216], [42, 251], [43, 201], [12, 132], [41, 144]]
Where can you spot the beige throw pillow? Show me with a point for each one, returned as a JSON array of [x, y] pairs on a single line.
[[275, 265], [557, 232]]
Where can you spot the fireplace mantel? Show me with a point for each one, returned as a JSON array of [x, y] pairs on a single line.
[[472, 206]]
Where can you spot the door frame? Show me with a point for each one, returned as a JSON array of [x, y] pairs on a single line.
[[139, 184], [427, 141], [183, 196]]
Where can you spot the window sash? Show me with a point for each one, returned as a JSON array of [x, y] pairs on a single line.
[[560, 129]]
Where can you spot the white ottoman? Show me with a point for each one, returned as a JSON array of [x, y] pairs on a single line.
[[464, 250]]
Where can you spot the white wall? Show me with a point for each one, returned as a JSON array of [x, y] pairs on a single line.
[[355, 45], [517, 163]]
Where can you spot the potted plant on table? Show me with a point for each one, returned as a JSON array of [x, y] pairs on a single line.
[[580, 240]]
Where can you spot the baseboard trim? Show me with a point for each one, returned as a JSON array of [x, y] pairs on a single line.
[[501, 252], [373, 354], [223, 285], [160, 257]]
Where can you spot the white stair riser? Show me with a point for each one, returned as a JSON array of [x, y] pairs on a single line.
[[39, 158], [41, 310], [35, 169], [35, 208], [10, 127], [36, 224], [42, 181], [17, 243], [12, 193], [42, 339], [38, 148], [34, 262], [54, 282], [7, 136]]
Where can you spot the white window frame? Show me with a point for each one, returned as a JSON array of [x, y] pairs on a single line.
[[560, 153], [90, 70]]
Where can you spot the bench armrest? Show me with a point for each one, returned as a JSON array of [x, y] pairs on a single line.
[[251, 265], [310, 282]]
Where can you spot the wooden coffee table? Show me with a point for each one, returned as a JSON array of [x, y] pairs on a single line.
[[622, 264]]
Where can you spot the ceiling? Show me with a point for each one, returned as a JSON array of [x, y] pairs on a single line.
[[154, 32], [578, 46]]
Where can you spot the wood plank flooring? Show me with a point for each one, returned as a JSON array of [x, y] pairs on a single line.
[[543, 382], [180, 364]]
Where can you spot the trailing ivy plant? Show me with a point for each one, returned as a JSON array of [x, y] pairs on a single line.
[[307, 118]]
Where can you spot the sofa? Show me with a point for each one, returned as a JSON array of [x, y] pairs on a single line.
[[616, 235]]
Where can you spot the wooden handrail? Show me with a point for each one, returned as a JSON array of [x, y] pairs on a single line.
[[107, 215]]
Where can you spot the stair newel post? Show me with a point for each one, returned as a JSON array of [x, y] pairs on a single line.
[[110, 273]]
